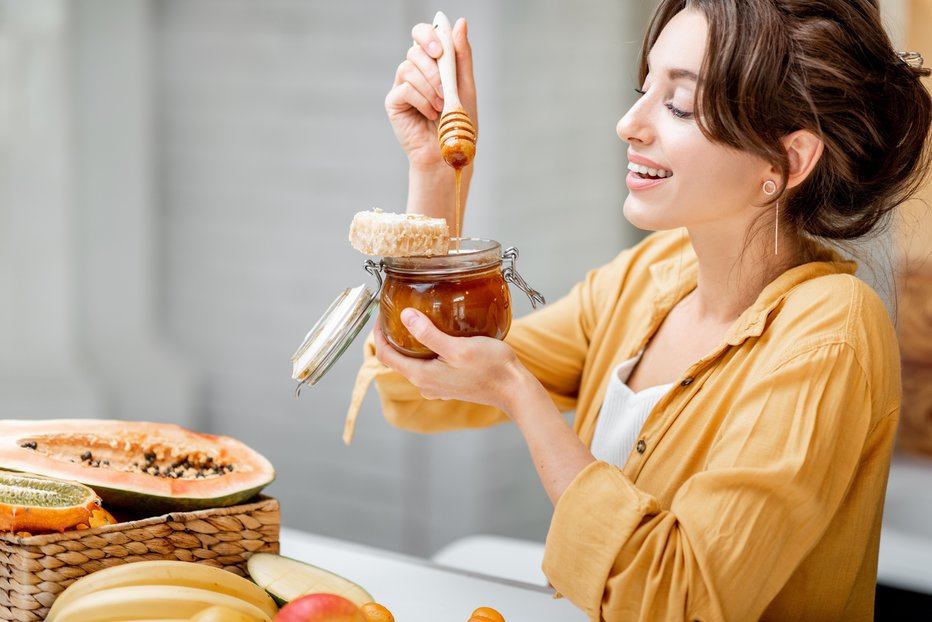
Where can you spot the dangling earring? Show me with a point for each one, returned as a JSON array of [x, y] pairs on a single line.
[[770, 188], [776, 228]]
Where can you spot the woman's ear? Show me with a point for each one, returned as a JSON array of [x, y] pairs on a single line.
[[803, 150]]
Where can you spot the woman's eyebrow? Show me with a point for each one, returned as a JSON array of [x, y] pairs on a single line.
[[683, 74], [678, 73]]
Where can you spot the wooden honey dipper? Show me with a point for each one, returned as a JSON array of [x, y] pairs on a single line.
[[455, 131]]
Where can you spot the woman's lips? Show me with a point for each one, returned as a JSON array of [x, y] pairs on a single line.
[[644, 173], [636, 182]]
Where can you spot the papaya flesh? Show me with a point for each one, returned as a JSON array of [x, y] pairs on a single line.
[[101, 517], [141, 468], [32, 503]]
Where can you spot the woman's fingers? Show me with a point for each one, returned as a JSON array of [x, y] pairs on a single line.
[[429, 71], [411, 90], [422, 57], [392, 358], [417, 371], [474, 369], [426, 39], [424, 35], [405, 96]]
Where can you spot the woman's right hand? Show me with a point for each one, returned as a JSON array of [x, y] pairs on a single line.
[[415, 101]]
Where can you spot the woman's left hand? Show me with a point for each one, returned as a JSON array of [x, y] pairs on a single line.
[[487, 371], [481, 370]]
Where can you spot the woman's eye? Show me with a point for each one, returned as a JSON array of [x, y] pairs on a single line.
[[676, 112], [679, 114]]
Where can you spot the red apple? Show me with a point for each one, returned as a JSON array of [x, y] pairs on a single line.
[[320, 608]]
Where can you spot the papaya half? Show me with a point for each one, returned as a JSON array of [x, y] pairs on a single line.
[[34, 503], [140, 467]]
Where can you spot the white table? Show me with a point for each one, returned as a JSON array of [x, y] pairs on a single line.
[[416, 590]]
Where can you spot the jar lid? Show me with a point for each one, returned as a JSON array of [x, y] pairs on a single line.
[[332, 334], [465, 254]]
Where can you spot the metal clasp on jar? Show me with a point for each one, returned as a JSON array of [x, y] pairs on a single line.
[[375, 269], [511, 275]]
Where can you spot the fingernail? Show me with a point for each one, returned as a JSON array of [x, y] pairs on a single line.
[[438, 104], [409, 317], [434, 48]]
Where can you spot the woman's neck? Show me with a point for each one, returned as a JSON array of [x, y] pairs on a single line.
[[733, 271]]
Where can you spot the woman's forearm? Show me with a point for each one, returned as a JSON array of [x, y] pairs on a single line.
[[487, 371], [558, 454], [432, 192]]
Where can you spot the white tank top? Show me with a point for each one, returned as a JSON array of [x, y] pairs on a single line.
[[622, 415]]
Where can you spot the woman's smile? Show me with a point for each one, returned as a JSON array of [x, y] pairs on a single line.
[[644, 173], [638, 181]]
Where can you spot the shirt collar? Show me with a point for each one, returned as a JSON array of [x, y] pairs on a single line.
[[675, 277]]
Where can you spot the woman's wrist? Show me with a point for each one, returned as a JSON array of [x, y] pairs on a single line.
[[522, 394], [432, 189]]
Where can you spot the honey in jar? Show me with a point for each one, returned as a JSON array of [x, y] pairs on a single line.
[[463, 293]]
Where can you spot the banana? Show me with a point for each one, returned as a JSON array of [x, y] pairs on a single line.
[[151, 601], [215, 613], [221, 614], [166, 573]]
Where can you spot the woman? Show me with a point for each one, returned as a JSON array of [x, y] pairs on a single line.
[[736, 388]]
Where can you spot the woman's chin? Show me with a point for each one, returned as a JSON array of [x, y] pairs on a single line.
[[641, 218]]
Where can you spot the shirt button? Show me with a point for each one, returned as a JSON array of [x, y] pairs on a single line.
[[687, 381], [641, 446]]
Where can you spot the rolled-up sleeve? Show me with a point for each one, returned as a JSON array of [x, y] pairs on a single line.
[[781, 466]]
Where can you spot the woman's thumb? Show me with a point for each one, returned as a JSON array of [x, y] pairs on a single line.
[[422, 329], [463, 51]]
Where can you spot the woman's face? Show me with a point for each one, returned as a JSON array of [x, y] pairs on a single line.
[[692, 182]]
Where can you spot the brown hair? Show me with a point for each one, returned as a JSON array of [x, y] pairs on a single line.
[[776, 66]]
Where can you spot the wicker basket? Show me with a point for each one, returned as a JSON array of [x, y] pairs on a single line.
[[35, 570]]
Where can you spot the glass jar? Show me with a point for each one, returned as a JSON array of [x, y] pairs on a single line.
[[464, 293]]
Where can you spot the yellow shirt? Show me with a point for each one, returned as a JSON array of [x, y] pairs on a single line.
[[756, 488]]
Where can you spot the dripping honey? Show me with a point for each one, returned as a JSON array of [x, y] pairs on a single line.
[[458, 153], [458, 231]]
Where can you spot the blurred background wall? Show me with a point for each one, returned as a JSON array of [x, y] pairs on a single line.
[[177, 179]]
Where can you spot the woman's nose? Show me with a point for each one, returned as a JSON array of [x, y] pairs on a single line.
[[633, 127]]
